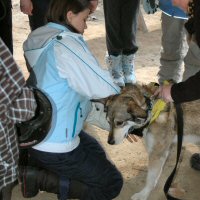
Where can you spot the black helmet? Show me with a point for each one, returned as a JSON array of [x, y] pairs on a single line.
[[35, 130]]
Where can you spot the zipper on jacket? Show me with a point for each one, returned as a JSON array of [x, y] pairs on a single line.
[[81, 112], [76, 118]]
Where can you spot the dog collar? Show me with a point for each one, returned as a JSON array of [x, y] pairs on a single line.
[[148, 103]]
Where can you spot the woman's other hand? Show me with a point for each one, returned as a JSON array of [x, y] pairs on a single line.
[[26, 6], [183, 4], [94, 4]]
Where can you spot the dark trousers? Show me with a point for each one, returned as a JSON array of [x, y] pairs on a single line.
[[38, 18], [6, 192], [121, 18], [6, 23], [87, 164]]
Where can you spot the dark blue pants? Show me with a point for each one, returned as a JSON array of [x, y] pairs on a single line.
[[87, 164], [38, 18], [121, 18], [6, 23]]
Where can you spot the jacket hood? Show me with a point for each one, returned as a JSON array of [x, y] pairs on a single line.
[[39, 39]]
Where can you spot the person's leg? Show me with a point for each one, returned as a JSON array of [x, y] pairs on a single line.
[[114, 44], [34, 179], [6, 192], [112, 13], [6, 23], [97, 172], [192, 60], [173, 49], [87, 164], [38, 18], [129, 21]]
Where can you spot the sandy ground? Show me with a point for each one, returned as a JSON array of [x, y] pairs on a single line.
[[130, 158]]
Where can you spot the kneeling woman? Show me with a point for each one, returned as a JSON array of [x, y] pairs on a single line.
[[69, 74]]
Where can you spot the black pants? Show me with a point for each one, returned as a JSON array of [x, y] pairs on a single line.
[[87, 164], [38, 18], [6, 23], [121, 25], [6, 192]]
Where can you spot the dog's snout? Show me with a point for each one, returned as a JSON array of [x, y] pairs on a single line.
[[111, 141]]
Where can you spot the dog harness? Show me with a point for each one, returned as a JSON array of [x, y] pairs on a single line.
[[158, 107], [152, 113]]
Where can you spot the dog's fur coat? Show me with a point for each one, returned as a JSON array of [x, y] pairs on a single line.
[[130, 109]]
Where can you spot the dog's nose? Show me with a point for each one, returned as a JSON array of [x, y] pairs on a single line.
[[111, 141]]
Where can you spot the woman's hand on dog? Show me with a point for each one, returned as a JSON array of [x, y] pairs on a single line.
[[164, 92]]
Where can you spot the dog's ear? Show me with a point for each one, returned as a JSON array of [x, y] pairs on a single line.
[[110, 99], [135, 110], [150, 88], [105, 101]]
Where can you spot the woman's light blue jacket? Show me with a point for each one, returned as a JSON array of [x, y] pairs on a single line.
[[69, 74]]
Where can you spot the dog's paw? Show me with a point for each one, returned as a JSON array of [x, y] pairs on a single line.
[[139, 196]]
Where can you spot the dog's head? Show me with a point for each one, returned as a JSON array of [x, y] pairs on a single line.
[[124, 111]]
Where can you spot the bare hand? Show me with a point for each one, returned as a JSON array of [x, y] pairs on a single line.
[[93, 5], [183, 4], [164, 92], [26, 6]]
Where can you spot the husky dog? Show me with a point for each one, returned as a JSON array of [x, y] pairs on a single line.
[[130, 111]]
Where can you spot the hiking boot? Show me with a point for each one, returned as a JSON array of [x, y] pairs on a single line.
[[34, 180], [195, 161], [128, 67], [114, 65]]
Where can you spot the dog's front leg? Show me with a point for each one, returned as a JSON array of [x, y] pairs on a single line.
[[156, 162]]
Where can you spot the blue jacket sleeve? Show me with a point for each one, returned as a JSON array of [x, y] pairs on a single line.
[[82, 71]]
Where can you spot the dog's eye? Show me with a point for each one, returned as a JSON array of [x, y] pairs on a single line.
[[119, 123], [139, 120]]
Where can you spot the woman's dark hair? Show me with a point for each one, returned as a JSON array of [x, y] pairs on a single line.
[[58, 9]]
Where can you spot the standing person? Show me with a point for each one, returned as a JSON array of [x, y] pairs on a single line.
[[36, 11], [69, 74], [121, 25], [189, 89], [175, 47], [6, 23], [17, 104], [173, 42]]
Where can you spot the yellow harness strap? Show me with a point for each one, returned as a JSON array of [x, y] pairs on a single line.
[[158, 107]]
